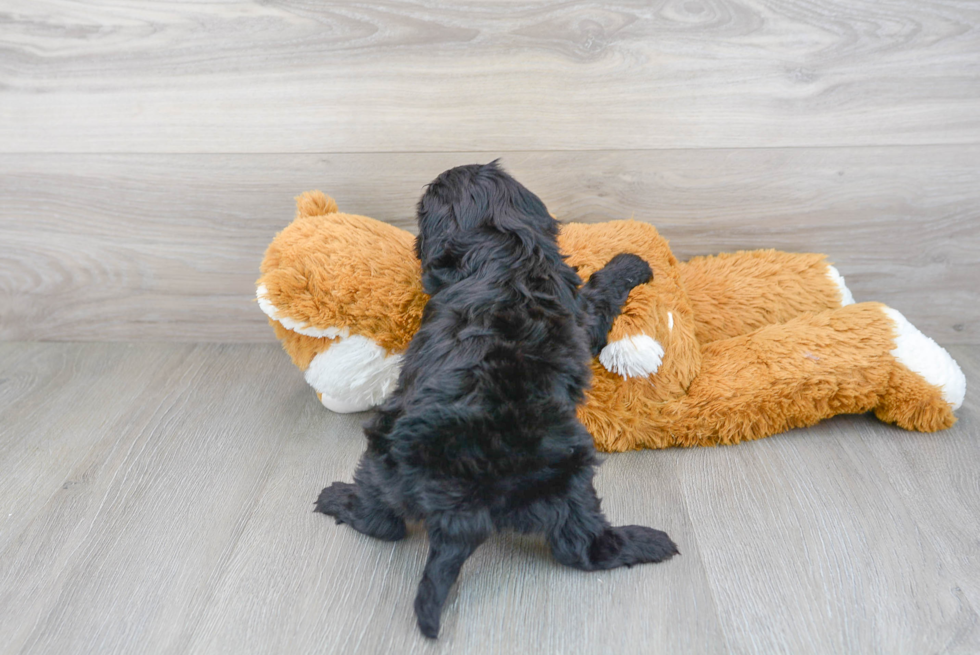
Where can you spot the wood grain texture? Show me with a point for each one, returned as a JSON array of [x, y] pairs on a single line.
[[40, 443], [504, 75], [170, 512], [167, 247], [844, 558], [940, 495]]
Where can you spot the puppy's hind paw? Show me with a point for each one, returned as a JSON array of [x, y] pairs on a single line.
[[633, 544], [343, 501], [649, 545], [338, 501]]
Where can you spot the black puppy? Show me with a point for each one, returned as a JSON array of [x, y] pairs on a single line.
[[481, 433]]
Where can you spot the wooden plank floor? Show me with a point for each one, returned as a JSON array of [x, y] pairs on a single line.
[[157, 497]]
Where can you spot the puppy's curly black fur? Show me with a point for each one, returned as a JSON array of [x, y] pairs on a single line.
[[481, 433]]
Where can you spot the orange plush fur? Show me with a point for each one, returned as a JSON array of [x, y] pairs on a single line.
[[749, 344]]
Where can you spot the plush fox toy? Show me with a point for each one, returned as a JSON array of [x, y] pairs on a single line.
[[715, 350]]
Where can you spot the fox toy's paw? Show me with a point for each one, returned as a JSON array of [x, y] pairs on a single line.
[[926, 386], [632, 357]]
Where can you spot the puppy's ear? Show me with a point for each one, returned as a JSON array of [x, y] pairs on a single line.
[[441, 273], [436, 225]]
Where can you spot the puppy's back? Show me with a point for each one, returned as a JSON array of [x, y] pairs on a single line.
[[491, 381]]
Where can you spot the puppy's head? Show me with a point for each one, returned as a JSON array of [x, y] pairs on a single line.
[[465, 207]]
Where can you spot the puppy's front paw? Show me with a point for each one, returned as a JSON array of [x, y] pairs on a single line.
[[629, 269], [338, 501], [644, 545]]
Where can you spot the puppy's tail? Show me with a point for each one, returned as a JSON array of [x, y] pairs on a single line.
[[453, 536]]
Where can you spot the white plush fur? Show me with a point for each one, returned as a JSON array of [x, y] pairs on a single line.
[[262, 295], [632, 357], [927, 358], [354, 374], [846, 298]]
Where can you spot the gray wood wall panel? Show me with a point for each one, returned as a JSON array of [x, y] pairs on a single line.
[[167, 247], [413, 76], [149, 151]]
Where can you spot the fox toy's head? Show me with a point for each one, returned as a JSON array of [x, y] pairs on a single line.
[[345, 297], [344, 294]]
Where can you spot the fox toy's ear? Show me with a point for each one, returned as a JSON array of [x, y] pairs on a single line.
[[315, 203]]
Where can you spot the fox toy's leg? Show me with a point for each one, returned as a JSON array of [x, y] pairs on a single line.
[[922, 361], [859, 358], [735, 293]]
